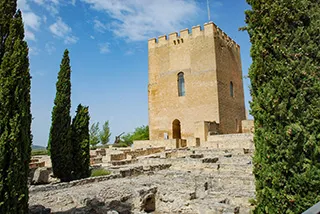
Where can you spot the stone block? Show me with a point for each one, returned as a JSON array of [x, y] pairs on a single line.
[[41, 176]]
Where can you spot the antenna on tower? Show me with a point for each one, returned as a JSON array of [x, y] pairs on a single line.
[[208, 7]]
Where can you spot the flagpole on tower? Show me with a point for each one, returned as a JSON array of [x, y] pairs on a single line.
[[208, 7]]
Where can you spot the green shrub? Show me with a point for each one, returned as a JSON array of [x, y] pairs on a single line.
[[39, 152], [99, 172]]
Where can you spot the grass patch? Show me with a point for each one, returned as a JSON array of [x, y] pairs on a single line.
[[39, 152], [99, 172], [99, 147], [120, 145]]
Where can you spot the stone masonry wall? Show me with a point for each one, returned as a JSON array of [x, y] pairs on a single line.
[[231, 108], [196, 55]]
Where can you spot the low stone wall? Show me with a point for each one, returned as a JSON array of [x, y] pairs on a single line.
[[230, 141], [171, 154], [144, 152], [123, 162], [247, 126], [101, 152], [72, 183], [118, 157], [95, 160], [168, 144], [193, 142], [134, 171]]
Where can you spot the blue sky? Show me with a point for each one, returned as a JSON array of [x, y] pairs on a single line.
[[107, 40]]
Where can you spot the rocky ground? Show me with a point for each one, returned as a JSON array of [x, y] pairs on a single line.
[[197, 181]]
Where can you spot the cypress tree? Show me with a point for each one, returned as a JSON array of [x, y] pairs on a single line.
[[285, 89], [8, 9], [15, 114], [60, 132], [80, 142]]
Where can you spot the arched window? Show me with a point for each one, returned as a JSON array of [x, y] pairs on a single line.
[[181, 91], [231, 89]]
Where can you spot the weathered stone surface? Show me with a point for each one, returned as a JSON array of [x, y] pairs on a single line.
[[41, 176], [175, 185]]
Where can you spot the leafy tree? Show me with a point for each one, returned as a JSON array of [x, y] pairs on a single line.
[[15, 114], [285, 89], [105, 133], [59, 140], [140, 133], [94, 134], [80, 143]]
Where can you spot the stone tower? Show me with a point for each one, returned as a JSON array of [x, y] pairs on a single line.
[[195, 80]]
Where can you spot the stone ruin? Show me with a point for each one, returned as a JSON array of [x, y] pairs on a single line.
[[215, 178]]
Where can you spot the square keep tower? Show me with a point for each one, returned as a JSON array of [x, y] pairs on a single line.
[[194, 77]]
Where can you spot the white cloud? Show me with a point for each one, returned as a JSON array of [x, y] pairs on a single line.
[[23, 5], [129, 52], [59, 28], [53, 6], [29, 35], [62, 30], [99, 26], [44, 18], [71, 40], [50, 48], [33, 50], [138, 20], [92, 37], [104, 47], [31, 20]]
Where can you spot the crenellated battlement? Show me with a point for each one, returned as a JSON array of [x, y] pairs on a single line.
[[209, 29]]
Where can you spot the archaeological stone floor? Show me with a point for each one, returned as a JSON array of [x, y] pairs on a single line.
[[189, 185]]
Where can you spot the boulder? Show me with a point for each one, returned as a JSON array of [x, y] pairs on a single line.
[[41, 176]]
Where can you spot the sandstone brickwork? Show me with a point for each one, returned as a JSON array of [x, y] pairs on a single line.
[[211, 66]]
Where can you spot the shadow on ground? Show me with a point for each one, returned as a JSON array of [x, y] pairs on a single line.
[[93, 206]]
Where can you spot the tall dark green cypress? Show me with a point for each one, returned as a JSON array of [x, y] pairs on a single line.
[[80, 142], [15, 114], [8, 9], [285, 89], [60, 132]]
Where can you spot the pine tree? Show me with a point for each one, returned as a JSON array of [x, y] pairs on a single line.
[[285, 89], [105, 133], [15, 114], [80, 142], [60, 133], [94, 135]]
